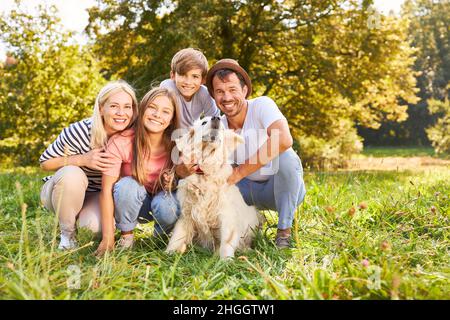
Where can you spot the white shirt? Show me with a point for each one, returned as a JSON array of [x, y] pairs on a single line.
[[262, 112]]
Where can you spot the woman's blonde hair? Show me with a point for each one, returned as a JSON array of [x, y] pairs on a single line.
[[141, 146], [98, 132]]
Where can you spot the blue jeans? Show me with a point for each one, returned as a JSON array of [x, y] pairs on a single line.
[[134, 204], [283, 191]]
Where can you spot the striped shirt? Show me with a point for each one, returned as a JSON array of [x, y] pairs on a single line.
[[72, 141]]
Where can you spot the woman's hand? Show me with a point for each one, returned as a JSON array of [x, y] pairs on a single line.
[[106, 245], [98, 159]]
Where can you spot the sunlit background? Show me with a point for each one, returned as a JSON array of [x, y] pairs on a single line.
[[74, 16]]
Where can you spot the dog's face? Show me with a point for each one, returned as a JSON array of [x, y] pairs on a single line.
[[208, 144]]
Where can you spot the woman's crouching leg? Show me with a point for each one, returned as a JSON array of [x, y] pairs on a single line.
[[90, 214], [64, 194]]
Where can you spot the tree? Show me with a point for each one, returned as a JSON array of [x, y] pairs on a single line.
[[52, 84], [320, 61], [428, 32], [439, 133]]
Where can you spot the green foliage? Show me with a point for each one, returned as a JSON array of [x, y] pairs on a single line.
[[53, 84], [439, 133], [330, 153], [401, 235], [428, 32], [323, 62]]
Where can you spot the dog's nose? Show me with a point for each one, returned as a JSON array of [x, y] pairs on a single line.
[[215, 122]]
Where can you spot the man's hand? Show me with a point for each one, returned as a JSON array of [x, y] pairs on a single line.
[[235, 177], [98, 159], [185, 170]]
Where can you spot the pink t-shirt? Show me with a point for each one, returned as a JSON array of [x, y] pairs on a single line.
[[121, 147]]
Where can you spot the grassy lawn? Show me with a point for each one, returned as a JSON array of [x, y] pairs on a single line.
[[358, 235], [379, 152]]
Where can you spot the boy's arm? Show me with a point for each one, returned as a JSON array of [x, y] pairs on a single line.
[[168, 83]]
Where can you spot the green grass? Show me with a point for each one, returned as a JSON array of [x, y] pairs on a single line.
[[379, 152], [402, 237]]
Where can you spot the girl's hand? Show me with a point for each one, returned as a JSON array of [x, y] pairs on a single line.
[[168, 180], [104, 246], [98, 159]]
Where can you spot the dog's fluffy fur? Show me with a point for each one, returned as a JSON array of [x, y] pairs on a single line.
[[213, 213]]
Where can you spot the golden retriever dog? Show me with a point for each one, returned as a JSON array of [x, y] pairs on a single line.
[[213, 213]]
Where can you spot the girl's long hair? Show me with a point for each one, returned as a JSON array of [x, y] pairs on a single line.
[[141, 146], [99, 137]]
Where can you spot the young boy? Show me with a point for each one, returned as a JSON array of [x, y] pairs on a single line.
[[187, 76]]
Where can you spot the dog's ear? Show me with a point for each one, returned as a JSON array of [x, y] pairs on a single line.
[[232, 140], [183, 141]]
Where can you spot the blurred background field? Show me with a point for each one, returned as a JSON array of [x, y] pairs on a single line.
[[379, 152]]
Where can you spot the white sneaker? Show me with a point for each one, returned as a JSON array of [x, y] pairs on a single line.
[[67, 242], [126, 241]]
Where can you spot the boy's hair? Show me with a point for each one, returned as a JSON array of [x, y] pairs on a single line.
[[187, 59]]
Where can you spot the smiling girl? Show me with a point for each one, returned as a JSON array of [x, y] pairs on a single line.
[[77, 155], [142, 154]]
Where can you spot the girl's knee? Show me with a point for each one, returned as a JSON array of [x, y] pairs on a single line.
[[165, 208], [127, 189], [125, 183]]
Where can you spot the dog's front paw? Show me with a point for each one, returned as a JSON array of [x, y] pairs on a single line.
[[227, 258], [226, 252], [179, 249]]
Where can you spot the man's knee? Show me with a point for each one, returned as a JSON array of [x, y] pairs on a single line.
[[302, 192], [289, 179], [289, 164]]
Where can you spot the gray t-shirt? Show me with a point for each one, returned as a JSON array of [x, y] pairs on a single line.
[[201, 103]]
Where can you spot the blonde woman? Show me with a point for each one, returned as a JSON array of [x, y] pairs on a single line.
[[78, 157], [144, 156]]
